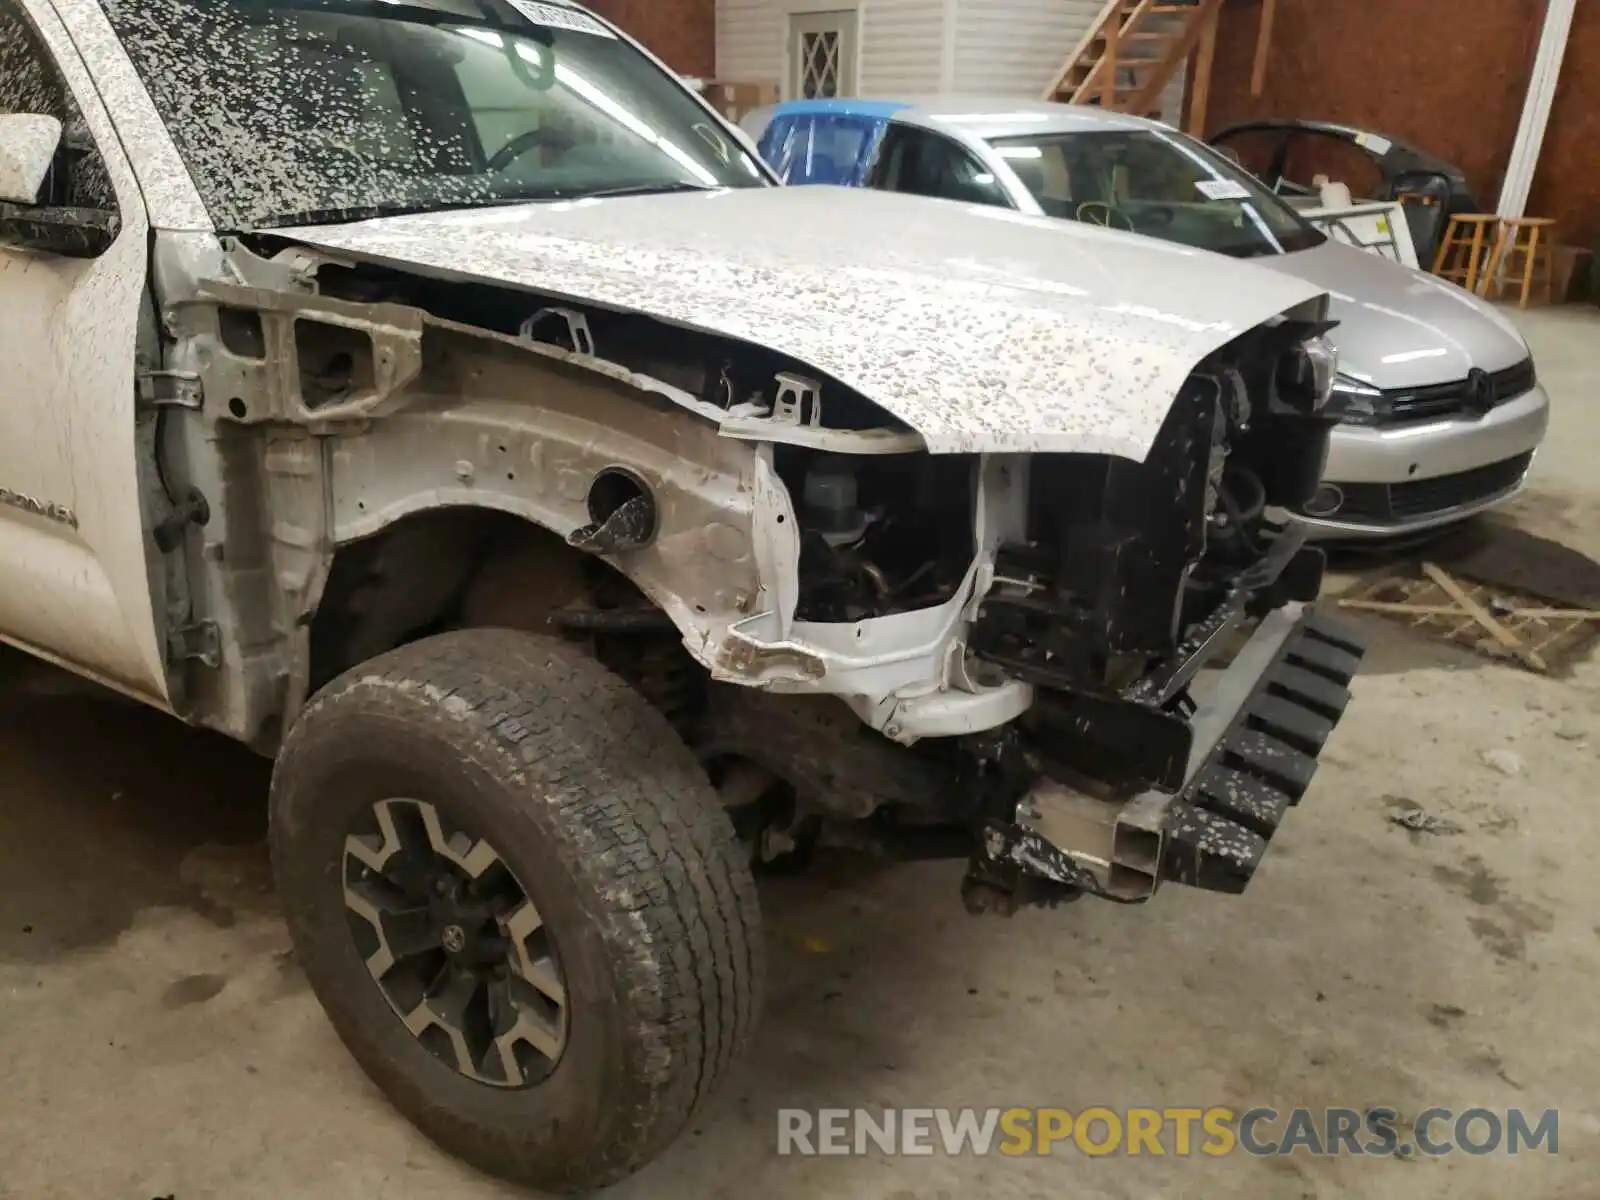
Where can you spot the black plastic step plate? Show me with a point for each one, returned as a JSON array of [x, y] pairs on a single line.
[[1336, 633], [1329, 648], [1215, 836], [1203, 850], [1331, 662], [1245, 799], [1287, 721], [1309, 690], [1280, 764]]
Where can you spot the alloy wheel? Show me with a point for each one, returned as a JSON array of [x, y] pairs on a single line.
[[455, 943]]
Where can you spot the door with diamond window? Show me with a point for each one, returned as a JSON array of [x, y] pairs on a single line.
[[822, 55]]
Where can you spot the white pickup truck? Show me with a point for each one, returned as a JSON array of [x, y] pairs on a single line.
[[437, 396]]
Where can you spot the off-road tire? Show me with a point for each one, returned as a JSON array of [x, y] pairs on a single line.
[[605, 817]]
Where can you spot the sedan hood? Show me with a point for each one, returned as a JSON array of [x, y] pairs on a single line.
[[1399, 327], [982, 329]]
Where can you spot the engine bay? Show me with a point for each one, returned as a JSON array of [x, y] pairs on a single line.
[[879, 535]]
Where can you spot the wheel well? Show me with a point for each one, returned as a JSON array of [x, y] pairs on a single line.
[[442, 569]]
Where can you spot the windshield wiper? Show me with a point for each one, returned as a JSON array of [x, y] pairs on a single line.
[[646, 189]]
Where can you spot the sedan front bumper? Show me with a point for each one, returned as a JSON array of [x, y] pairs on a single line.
[[1257, 734], [1387, 481]]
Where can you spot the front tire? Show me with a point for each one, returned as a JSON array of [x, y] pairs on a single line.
[[519, 900]]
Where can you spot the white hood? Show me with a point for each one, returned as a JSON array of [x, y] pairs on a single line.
[[980, 328]]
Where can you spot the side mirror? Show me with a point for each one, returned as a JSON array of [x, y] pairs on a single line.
[[28, 145], [69, 232]]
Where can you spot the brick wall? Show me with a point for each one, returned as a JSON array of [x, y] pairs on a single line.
[[1450, 78], [681, 32], [1567, 183]]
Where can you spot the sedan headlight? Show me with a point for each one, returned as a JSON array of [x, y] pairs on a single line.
[[1355, 403], [1306, 374]]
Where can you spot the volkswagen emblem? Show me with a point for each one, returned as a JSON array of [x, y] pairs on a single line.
[[1481, 393]]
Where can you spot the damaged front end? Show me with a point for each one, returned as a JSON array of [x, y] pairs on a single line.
[[1139, 581], [1108, 676], [1084, 672]]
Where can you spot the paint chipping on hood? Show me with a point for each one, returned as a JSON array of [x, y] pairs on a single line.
[[982, 329]]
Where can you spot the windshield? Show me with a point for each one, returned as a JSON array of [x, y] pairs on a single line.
[[1157, 183], [301, 111]]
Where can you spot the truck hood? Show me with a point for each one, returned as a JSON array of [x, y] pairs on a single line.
[[1399, 327], [982, 329]]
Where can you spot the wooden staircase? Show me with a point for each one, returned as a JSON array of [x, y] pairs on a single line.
[[1132, 51]]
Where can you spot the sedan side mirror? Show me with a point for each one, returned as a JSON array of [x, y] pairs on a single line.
[[28, 145]]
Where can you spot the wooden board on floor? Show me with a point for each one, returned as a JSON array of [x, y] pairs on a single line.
[[1535, 631]]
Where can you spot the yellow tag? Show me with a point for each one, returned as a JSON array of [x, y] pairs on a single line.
[[1383, 224]]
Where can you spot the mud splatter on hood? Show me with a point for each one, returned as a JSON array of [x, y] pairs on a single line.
[[980, 328]]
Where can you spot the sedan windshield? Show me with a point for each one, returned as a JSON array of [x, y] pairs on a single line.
[[305, 111], [1156, 183]]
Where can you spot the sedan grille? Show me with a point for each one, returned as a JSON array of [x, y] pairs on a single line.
[[1402, 406], [1385, 503]]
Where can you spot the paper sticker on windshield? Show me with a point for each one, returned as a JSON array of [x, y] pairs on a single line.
[[1375, 143], [557, 16], [1221, 189]]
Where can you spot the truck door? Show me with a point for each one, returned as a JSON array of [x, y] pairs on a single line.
[[74, 582]]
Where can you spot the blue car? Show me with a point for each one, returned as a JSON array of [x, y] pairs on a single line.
[[822, 141]]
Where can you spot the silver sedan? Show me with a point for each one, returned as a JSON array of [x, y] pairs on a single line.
[[1441, 409]]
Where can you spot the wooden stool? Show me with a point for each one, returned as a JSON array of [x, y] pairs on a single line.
[[1457, 242], [1534, 239]]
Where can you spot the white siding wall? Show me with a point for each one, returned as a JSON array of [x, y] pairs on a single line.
[[1002, 47], [1015, 47], [899, 50], [902, 47], [750, 37]]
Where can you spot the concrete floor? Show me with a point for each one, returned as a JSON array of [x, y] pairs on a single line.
[[156, 1038]]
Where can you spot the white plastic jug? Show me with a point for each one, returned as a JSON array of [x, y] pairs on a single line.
[[1335, 194]]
